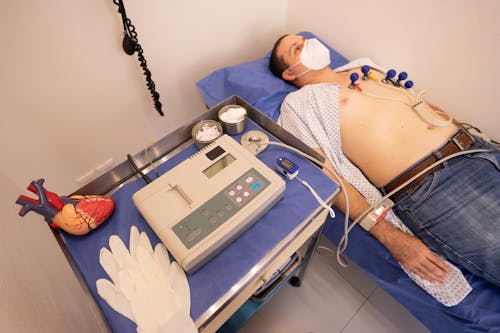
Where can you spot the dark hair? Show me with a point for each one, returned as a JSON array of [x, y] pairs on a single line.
[[277, 64]]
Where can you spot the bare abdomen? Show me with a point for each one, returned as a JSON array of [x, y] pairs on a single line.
[[384, 138]]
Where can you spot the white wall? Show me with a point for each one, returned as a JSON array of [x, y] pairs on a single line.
[[71, 99], [450, 48]]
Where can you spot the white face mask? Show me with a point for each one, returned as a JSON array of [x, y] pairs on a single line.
[[314, 56]]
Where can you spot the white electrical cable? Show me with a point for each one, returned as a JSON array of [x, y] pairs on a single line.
[[344, 238], [406, 93], [425, 112], [419, 96], [318, 198], [347, 228], [386, 98], [417, 104], [341, 185]]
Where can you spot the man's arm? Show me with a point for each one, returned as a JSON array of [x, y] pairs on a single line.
[[405, 248]]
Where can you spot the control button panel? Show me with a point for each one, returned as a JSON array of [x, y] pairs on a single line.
[[220, 208]]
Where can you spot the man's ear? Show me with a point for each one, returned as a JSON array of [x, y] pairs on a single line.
[[287, 76]]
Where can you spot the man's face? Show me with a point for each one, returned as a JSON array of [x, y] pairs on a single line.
[[290, 49]]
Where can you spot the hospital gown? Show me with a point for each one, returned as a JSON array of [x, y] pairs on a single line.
[[312, 114]]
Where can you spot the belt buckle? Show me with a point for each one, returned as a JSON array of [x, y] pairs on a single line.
[[457, 142]]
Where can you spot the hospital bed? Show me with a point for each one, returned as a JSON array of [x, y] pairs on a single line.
[[478, 312]]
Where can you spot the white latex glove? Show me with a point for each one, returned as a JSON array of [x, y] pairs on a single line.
[[146, 288]]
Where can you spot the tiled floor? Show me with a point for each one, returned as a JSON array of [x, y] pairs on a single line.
[[333, 299]]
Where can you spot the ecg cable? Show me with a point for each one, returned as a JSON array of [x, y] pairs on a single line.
[[145, 177], [344, 239], [342, 245], [340, 260], [317, 197], [153, 165]]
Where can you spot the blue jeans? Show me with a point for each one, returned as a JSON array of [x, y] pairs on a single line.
[[455, 211]]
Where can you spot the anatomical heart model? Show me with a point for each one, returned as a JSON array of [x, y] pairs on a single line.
[[76, 215]]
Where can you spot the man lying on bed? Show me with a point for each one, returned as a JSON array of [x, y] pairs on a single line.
[[454, 210]]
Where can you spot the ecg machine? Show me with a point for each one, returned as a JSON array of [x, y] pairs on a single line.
[[202, 204]]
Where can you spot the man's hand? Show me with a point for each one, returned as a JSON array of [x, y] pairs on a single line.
[[410, 252]]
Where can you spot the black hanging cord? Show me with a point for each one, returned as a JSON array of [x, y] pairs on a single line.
[[130, 45], [137, 170]]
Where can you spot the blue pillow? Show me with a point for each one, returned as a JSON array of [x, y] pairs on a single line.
[[254, 82]]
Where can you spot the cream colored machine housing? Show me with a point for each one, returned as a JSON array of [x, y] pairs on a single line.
[[202, 204]]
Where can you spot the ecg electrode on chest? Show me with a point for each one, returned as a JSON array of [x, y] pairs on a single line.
[[415, 102]]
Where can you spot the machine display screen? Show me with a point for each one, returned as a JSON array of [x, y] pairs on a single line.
[[287, 164], [219, 165]]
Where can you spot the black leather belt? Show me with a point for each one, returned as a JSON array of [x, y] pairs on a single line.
[[460, 141]]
